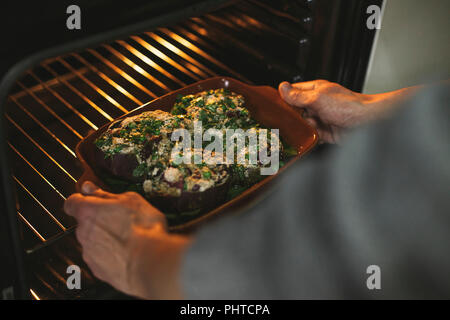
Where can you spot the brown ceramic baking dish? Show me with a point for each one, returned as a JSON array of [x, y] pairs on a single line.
[[265, 106]]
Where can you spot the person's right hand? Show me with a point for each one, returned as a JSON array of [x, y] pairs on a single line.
[[328, 106]]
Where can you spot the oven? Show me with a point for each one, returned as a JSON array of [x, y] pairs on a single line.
[[60, 84]]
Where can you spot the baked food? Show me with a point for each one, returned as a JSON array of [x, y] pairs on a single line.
[[137, 151]]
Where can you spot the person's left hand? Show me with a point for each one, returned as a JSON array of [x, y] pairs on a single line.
[[122, 236]]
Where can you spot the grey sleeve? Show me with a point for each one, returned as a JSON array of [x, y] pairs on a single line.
[[382, 199]]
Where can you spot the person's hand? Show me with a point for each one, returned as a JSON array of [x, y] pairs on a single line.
[[331, 108], [125, 242], [328, 107]]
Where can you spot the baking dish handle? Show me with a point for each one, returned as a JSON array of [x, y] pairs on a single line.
[[272, 94]]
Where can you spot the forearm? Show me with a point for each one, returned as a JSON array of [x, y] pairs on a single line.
[[382, 104], [155, 270]]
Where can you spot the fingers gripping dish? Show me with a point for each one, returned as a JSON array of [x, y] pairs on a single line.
[[137, 153]]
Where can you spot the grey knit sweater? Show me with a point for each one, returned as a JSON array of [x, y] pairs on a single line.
[[382, 198]]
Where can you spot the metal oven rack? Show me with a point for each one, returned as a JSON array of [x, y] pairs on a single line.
[[55, 104]]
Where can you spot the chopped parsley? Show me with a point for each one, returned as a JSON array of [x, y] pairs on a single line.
[[140, 170], [206, 174]]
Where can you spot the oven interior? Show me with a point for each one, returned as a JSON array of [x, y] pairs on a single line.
[[53, 105]]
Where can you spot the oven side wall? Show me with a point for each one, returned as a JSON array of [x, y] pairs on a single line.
[[412, 45]]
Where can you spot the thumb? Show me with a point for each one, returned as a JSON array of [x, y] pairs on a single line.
[[88, 188], [295, 96]]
